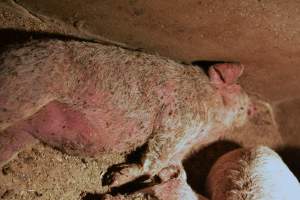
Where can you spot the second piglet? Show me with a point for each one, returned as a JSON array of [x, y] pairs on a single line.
[[256, 173]]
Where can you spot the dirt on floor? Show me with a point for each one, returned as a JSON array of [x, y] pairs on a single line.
[[42, 172]]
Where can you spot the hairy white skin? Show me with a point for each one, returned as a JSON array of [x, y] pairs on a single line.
[[252, 174], [106, 99]]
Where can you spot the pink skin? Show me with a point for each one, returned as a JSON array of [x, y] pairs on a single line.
[[223, 77], [91, 103], [225, 73], [72, 131], [75, 132], [12, 140]]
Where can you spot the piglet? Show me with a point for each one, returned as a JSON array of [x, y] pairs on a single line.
[[256, 173], [87, 99]]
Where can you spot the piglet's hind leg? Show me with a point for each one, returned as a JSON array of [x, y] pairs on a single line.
[[12, 141]]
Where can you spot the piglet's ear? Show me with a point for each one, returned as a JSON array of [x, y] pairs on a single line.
[[225, 73]]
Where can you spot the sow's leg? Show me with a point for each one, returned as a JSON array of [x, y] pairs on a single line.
[[191, 124]]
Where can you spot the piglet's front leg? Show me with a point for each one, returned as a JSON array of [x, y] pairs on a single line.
[[160, 148], [169, 135], [174, 188]]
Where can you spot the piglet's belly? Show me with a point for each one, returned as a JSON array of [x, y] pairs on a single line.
[[86, 131]]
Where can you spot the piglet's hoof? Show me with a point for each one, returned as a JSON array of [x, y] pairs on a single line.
[[169, 173], [121, 174]]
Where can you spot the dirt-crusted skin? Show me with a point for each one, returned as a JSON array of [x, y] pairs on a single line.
[[256, 173], [87, 99]]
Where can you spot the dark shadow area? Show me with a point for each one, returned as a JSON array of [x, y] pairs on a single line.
[[136, 156], [198, 165], [205, 64], [132, 186], [128, 188], [91, 196], [16, 37], [291, 157], [13, 36]]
